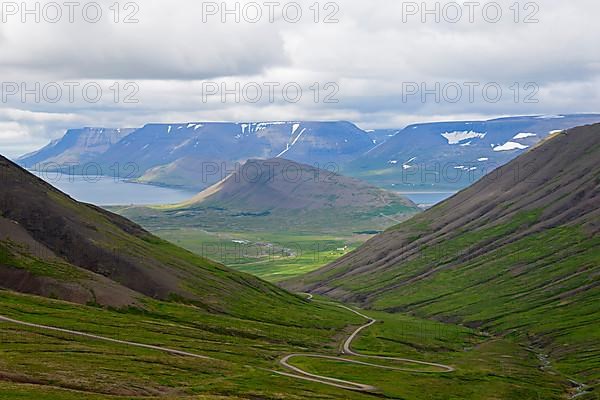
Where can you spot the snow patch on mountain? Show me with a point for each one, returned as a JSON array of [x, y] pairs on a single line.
[[457, 137], [289, 146], [295, 128], [524, 135], [549, 116], [509, 146]]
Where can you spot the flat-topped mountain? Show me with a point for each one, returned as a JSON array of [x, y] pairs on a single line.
[[196, 155], [78, 146], [445, 156], [454, 155]]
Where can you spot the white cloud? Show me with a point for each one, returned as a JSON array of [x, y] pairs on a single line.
[[371, 54]]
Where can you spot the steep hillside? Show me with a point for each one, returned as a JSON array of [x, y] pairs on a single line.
[[54, 246], [453, 155], [78, 146], [517, 251]]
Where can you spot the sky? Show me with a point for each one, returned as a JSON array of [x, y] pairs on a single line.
[[377, 63]]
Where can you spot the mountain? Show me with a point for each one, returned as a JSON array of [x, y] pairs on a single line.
[[517, 252], [284, 184], [453, 155], [78, 146], [54, 246], [268, 194], [197, 155], [441, 156]]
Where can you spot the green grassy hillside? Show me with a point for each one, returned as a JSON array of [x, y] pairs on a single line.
[[49, 365], [54, 246], [516, 253]]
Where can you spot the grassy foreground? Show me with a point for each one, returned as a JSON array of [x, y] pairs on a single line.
[[40, 364]]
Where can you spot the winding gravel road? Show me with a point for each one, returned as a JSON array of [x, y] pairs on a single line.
[[297, 372], [347, 349]]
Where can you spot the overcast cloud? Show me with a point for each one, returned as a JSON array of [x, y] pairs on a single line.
[[364, 65]]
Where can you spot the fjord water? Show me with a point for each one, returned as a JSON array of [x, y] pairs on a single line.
[[106, 190], [427, 199]]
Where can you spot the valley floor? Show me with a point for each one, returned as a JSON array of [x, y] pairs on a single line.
[[244, 355]]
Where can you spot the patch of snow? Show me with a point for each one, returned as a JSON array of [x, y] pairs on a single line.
[[169, 129], [295, 128], [145, 147], [459, 136], [289, 146], [556, 131], [198, 126], [407, 165], [550, 116], [482, 159], [524, 135], [509, 146], [181, 145], [298, 137], [393, 162], [466, 144]]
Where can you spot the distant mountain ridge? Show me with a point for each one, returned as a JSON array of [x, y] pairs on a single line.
[[430, 156], [454, 155], [77, 146]]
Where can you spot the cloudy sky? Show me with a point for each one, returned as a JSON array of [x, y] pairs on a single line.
[[378, 63]]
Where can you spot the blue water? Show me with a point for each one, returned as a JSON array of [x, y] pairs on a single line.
[[427, 199], [106, 191]]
